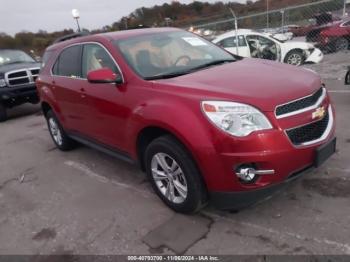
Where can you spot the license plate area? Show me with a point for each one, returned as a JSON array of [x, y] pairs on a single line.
[[324, 152]]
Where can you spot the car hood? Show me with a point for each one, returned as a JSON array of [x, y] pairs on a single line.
[[12, 67], [297, 45], [263, 84]]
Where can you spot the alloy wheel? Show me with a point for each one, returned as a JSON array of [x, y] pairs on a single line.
[[55, 131], [169, 178], [341, 44], [294, 59]]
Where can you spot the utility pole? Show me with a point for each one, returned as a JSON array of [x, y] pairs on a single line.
[[282, 13], [76, 16], [125, 20], [267, 15], [236, 29], [344, 10]]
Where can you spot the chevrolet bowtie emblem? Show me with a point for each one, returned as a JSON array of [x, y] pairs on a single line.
[[319, 113]]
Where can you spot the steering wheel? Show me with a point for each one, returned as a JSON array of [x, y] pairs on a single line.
[[182, 57]]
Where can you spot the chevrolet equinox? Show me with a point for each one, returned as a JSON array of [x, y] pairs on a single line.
[[203, 124]]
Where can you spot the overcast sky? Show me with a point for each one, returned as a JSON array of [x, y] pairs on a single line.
[[52, 15]]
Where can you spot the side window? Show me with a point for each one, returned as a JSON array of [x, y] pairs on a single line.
[[55, 67], [68, 63], [265, 41], [228, 42], [96, 57], [46, 58], [232, 42]]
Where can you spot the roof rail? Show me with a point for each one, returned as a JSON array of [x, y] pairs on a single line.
[[71, 36]]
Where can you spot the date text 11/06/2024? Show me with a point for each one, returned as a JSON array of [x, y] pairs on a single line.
[[173, 258]]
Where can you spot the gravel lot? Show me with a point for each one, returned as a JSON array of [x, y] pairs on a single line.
[[85, 202]]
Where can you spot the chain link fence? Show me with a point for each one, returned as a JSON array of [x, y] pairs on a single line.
[[325, 23]]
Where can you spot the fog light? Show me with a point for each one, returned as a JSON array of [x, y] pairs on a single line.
[[246, 174], [249, 174]]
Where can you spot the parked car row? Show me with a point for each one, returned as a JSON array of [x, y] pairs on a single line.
[[205, 125]]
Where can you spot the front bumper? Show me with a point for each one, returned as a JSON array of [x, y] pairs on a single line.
[[269, 150], [240, 200], [12, 96], [315, 57]]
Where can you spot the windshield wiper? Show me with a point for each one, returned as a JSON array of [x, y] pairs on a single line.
[[212, 63], [165, 76], [191, 70]]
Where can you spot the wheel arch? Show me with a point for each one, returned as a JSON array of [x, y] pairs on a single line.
[[294, 50], [45, 107], [149, 134]]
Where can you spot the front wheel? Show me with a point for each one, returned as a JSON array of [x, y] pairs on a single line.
[[347, 78], [3, 113], [295, 57], [174, 175], [341, 44]]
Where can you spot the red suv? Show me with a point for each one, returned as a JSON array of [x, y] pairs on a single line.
[[333, 37], [201, 123]]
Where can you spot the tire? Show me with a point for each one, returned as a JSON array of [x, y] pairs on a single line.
[[341, 44], [347, 78], [58, 135], [166, 152], [3, 113], [295, 57]]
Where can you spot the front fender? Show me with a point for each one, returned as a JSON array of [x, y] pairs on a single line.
[[181, 122], [188, 124]]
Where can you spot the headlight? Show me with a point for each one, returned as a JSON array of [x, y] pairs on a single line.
[[234, 118], [2, 83]]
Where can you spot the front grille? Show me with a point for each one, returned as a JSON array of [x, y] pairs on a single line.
[[308, 133], [19, 81], [21, 77], [18, 74], [35, 73], [299, 104]]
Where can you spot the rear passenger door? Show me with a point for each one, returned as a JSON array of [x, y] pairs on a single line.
[[230, 44], [67, 86]]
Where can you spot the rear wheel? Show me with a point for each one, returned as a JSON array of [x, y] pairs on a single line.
[[295, 57], [347, 78], [59, 137], [174, 175], [3, 113], [341, 44]]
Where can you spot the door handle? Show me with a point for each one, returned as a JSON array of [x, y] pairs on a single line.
[[82, 92]]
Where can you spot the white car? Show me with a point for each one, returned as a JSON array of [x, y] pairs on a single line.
[[258, 45]]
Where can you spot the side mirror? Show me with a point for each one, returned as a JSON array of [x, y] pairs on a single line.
[[104, 76]]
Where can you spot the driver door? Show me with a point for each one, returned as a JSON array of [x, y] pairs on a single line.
[[263, 47]]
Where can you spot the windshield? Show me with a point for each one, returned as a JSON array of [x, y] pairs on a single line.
[[14, 56], [170, 54]]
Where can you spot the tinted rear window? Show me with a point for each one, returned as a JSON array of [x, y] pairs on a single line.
[[69, 62]]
